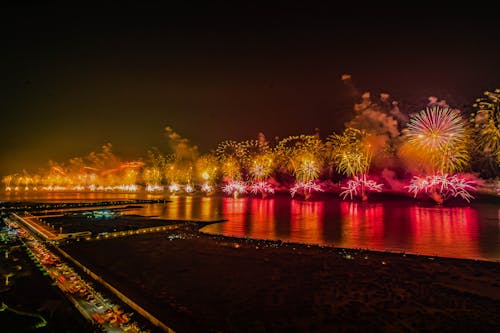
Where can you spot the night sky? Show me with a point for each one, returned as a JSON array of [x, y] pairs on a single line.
[[75, 78]]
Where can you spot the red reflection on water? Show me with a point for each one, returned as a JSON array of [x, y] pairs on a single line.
[[236, 210], [263, 219], [362, 224], [445, 231], [306, 221]]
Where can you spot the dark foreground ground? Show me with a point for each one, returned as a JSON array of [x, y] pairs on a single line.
[[201, 283], [122, 223]]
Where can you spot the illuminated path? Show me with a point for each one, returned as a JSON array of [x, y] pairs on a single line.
[[79, 209], [99, 310], [39, 229], [121, 296]]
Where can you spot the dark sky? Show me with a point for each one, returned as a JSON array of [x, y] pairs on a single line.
[[74, 78]]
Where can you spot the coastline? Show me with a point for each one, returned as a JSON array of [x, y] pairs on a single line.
[[333, 247]]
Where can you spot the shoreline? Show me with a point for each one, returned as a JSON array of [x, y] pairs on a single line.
[[322, 246]]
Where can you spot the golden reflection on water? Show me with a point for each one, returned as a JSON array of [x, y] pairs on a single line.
[[206, 207]]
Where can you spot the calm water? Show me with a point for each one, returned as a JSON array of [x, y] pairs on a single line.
[[395, 224]]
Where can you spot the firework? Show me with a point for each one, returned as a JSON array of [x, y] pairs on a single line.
[[179, 171], [154, 188], [188, 189], [295, 145], [259, 159], [235, 188], [307, 168], [231, 169], [439, 133], [152, 176], [206, 168], [7, 181], [231, 155], [128, 188], [349, 153], [207, 188], [442, 187], [352, 157], [261, 187], [486, 120], [302, 156], [358, 186], [261, 167], [305, 189], [231, 148], [173, 187]]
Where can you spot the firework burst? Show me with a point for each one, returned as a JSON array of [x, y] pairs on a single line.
[[357, 186], [307, 168], [261, 187], [207, 188], [259, 159], [297, 144], [231, 148], [305, 189], [442, 187], [231, 169], [206, 168], [261, 167], [349, 153], [173, 188], [154, 188], [231, 155], [486, 122], [152, 176], [439, 133], [235, 188], [302, 156]]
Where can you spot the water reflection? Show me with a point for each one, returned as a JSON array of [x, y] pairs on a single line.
[[444, 228], [236, 210], [306, 222], [362, 224], [392, 224], [263, 222]]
